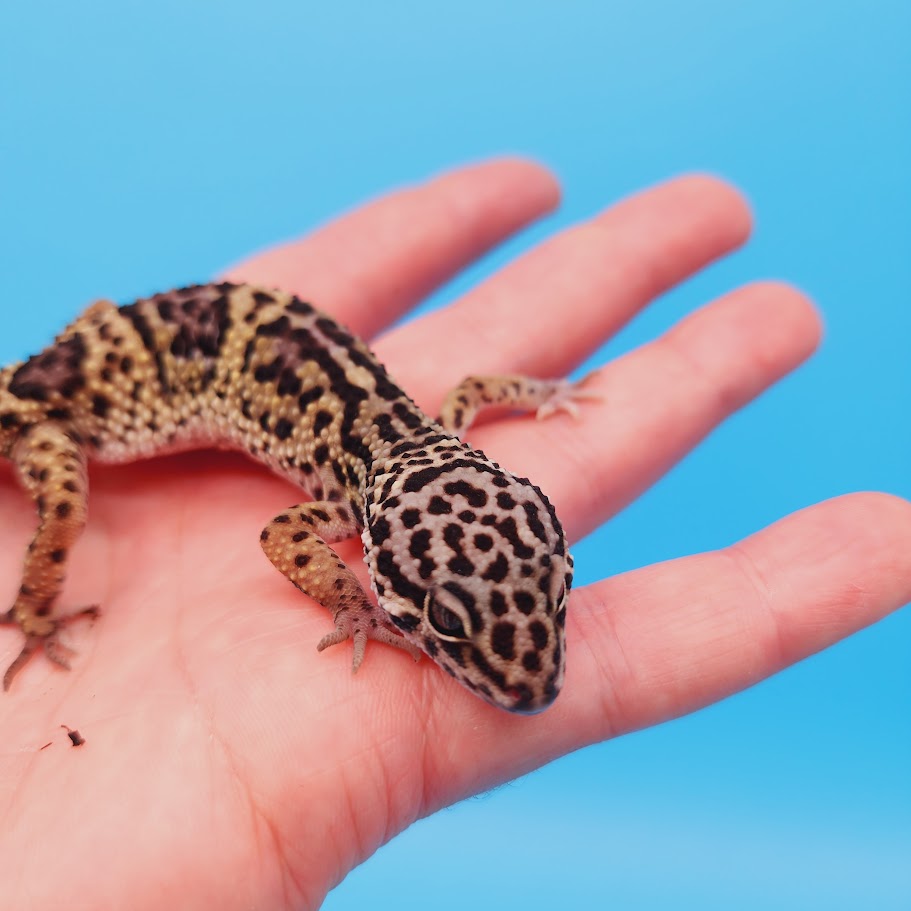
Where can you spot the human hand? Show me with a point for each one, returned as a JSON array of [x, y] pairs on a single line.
[[227, 764]]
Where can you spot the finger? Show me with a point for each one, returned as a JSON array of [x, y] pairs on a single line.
[[668, 639], [547, 311], [373, 264], [657, 403], [677, 636]]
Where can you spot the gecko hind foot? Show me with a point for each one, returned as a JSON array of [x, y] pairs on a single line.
[[565, 398], [54, 649], [361, 624]]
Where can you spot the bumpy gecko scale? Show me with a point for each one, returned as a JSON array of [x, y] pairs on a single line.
[[468, 562]]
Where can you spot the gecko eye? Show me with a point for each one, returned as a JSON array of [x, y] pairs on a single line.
[[445, 621]]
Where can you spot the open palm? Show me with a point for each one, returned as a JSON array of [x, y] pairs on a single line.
[[227, 764]]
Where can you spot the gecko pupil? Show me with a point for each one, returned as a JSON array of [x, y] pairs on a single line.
[[445, 621]]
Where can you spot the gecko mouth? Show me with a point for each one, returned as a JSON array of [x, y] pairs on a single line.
[[525, 702]]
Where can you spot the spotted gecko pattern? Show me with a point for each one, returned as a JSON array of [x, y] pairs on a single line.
[[468, 563]]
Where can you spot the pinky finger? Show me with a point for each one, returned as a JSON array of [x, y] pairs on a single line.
[[671, 638], [662, 641]]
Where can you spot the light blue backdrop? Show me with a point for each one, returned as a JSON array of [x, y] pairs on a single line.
[[147, 145]]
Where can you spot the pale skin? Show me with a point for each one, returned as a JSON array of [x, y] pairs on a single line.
[[227, 763]]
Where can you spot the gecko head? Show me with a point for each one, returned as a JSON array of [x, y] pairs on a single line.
[[472, 567]]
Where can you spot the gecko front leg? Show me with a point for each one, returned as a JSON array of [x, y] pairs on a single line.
[[51, 466], [297, 543]]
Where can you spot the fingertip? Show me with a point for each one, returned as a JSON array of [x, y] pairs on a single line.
[[721, 194], [550, 192], [526, 172], [787, 311], [883, 518], [521, 184]]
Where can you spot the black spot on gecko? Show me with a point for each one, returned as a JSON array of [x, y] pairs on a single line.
[[456, 651], [302, 308], [283, 428], [100, 405], [534, 521], [491, 673], [407, 623], [502, 639], [510, 531], [538, 634], [309, 396], [267, 373], [526, 603], [134, 313], [411, 517], [452, 535], [400, 583], [497, 570], [439, 507], [483, 542], [407, 416], [45, 373], [461, 565], [498, 603], [474, 495], [385, 429], [289, 383], [321, 420], [420, 543]]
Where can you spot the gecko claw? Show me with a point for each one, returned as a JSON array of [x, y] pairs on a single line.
[[31, 646], [565, 398]]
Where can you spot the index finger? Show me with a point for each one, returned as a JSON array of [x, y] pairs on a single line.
[[373, 264]]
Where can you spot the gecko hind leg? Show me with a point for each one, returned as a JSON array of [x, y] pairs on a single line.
[[544, 397], [50, 464], [47, 637]]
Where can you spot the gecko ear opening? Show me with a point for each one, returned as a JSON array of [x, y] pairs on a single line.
[[447, 615], [557, 591]]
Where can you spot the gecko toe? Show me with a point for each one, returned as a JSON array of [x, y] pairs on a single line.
[[360, 625], [32, 644]]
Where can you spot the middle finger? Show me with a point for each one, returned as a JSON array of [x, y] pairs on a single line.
[[657, 403], [547, 311]]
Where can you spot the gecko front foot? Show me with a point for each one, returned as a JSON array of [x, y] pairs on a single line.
[[43, 633], [360, 624]]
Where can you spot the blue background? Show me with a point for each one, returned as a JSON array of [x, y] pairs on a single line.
[[148, 145]]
